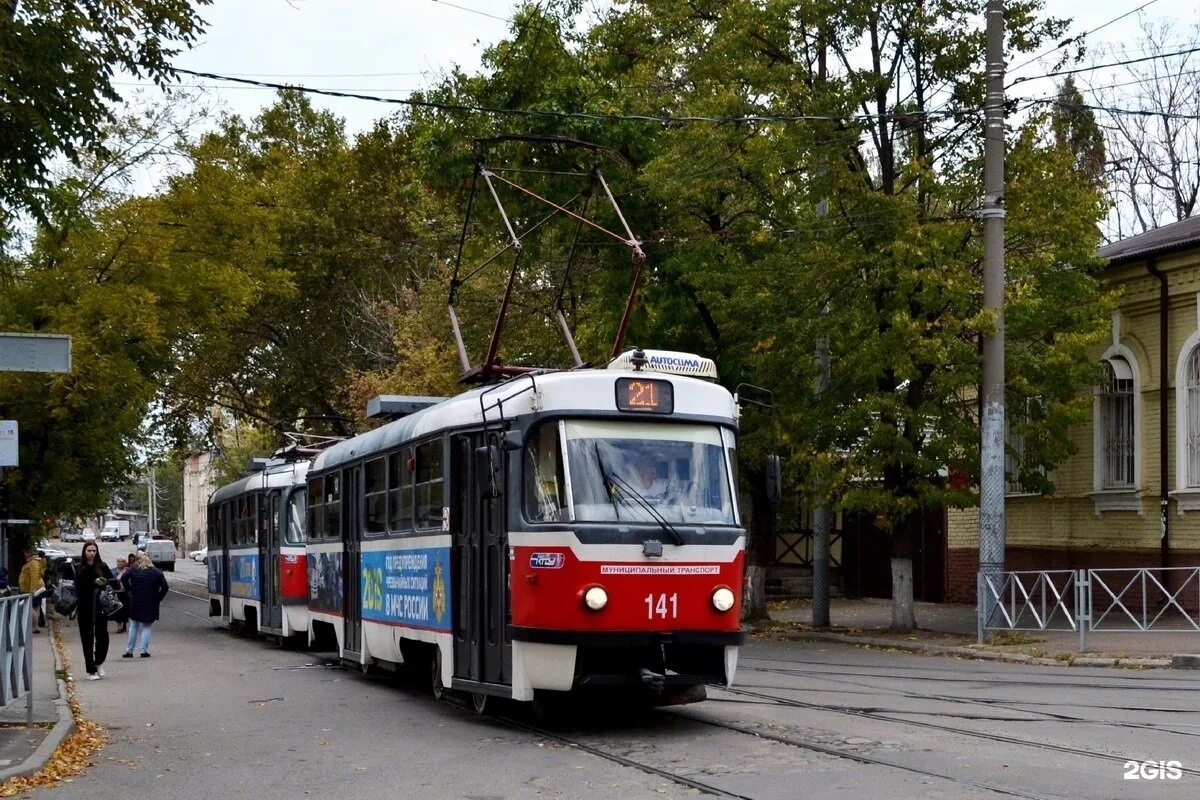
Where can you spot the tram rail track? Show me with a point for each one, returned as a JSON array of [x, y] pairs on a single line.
[[1008, 705], [1160, 682], [994, 737], [863, 758]]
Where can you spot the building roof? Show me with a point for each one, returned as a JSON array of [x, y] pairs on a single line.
[[1171, 238]]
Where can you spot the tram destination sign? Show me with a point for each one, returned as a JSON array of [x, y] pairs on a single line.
[[35, 352]]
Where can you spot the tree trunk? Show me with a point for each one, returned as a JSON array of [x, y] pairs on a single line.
[[754, 594], [760, 547], [904, 614], [904, 617]]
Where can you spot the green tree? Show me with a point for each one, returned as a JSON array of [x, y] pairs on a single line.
[[57, 64], [852, 220], [101, 271], [1076, 130], [319, 232]]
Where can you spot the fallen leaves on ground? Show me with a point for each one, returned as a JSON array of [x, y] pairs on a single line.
[[76, 752]]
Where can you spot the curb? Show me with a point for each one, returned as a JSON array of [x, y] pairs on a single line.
[[1178, 662], [61, 730]]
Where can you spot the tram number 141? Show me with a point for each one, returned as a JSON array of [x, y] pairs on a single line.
[[663, 606]]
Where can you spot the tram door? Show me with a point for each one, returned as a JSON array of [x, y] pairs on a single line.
[[352, 536], [268, 559], [224, 559], [480, 543]]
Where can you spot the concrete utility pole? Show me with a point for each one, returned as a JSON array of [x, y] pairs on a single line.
[[820, 522], [991, 468]]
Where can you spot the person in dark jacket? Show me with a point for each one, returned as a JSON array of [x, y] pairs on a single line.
[[122, 616], [147, 588], [91, 576]]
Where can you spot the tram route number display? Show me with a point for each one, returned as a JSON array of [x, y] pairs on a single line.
[[646, 395], [407, 587]]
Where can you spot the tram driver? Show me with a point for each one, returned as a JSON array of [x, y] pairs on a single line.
[[645, 477]]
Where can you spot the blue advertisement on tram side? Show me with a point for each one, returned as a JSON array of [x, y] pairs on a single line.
[[243, 576], [407, 587], [325, 582]]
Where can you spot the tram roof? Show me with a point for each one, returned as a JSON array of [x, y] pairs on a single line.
[[277, 473], [585, 391]]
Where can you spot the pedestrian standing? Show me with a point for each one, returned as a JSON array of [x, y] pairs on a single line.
[[147, 588], [122, 616], [33, 581], [92, 576]]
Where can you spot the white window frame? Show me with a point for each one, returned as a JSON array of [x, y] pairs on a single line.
[[1123, 498], [1187, 495]]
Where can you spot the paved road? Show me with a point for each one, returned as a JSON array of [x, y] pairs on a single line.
[[211, 715]]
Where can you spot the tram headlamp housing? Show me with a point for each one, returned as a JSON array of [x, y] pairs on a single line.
[[595, 598], [722, 598]]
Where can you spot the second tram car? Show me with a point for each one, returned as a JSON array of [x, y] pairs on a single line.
[[555, 532], [257, 566]]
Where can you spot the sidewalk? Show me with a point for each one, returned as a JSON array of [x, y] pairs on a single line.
[[25, 750], [950, 629]]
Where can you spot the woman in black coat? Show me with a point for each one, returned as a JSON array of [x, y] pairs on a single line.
[[147, 587], [91, 576]]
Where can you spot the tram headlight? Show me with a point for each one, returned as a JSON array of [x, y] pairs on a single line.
[[722, 598], [595, 598]]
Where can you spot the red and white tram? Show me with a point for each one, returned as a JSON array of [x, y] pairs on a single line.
[[556, 532], [257, 574]]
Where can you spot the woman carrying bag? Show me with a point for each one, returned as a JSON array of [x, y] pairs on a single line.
[[91, 577]]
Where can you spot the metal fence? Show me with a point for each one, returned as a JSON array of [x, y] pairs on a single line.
[[1133, 600], [16, 652]]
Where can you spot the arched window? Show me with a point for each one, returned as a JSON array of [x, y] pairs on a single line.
[[1191, 400], [1116, 423]]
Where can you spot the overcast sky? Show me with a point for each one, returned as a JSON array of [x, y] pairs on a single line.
[[389, 47]]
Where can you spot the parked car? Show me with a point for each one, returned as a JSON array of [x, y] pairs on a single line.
[[200, 555], [162, 553], [49, 552], [88, 535], [70, 535]]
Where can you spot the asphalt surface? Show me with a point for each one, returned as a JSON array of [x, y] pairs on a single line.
[[212, 715]]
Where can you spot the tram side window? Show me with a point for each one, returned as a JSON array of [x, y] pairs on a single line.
[[227, 524], [316, 509], [545, 486], [294, 527], [264, 522], [429, 485], [400, 491], [243, 535], [333, 506], [375, 492]]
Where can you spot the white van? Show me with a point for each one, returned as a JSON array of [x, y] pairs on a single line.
[[162, 553]]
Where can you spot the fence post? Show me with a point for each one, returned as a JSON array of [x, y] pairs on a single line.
[[28, 666], [1083, 607]]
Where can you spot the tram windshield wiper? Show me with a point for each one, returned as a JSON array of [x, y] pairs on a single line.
[[610, 488], [667, 527]]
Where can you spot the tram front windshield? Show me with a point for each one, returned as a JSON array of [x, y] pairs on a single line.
[[628, 472]]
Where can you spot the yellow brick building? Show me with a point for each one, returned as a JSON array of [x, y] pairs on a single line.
[[1130, 495]]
